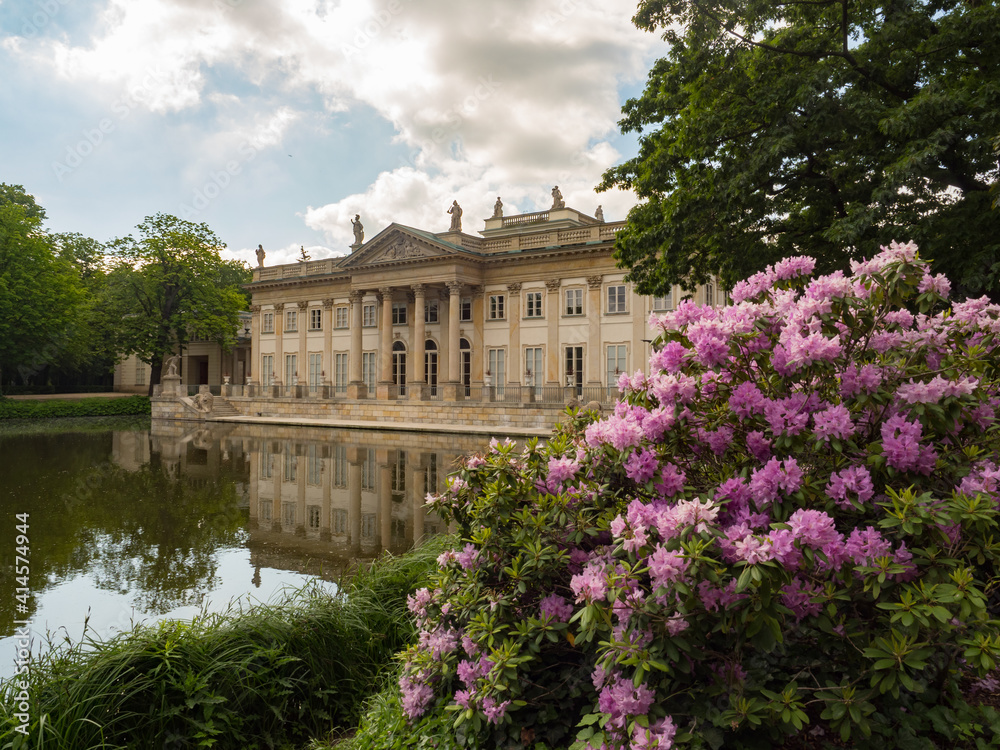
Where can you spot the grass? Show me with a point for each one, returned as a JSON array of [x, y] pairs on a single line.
[[262, 676], [21, 427]]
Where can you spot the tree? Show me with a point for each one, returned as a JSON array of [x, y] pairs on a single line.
[[40, 295], [17, 195], [810, 126], [166, 287]]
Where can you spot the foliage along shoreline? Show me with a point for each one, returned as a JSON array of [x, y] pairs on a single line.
[[268, 675], [84, 407]]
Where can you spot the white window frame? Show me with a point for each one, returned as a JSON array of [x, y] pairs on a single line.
[[616, 299], [291, 321], [574, 302], [666, 302], [431, 311], [496, 363], [315, 319], [342, 315], [616, 362], [399, 313], [497, 307], [140, 372], [710, 294], [369, 319], [533, 305], [341, 370], [369, 368], [267, 322], [267, 370], [465, 311], [315, 371], [291, 367]]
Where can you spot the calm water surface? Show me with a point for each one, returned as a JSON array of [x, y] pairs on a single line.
[[133, 523]]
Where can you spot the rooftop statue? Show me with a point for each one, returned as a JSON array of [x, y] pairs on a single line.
[[456, 217], [599, 214], [304, 257], [557, 199], [359, 229], [260, 256], [498, 208]]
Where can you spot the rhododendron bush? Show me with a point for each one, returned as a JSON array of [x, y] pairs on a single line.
[[788, 527]]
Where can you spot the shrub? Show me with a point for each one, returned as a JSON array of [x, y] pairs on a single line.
[[85, 407], [789, 527]]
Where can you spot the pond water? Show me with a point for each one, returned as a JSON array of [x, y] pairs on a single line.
[[129, 522]]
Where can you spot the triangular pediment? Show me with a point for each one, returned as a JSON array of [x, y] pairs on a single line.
[[397, 244]]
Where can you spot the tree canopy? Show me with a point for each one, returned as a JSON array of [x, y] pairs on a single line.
[[41, 296], [811, 126], [169, 285]]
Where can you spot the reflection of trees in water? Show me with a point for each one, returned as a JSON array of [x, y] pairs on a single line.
[[160, 539]]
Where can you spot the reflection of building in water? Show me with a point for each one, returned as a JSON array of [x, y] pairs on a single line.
[[320, 498], [353, 498]]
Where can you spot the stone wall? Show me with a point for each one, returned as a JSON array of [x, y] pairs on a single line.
[[501, 417]]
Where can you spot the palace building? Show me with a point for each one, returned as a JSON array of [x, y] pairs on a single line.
[[532, 307]]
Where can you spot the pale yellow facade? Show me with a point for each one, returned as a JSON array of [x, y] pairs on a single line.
[[534, 305]]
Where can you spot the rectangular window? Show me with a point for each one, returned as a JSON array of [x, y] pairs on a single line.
[[496, 311], [663, 303], [399, 313], [533, 305], [339, 466], [291, 368], [368, 319], [315, 372], [339, 521], [431, 311], [340, 317], [264, 511], [369, 469], [466, 315], [291, 464], [574, 368], [288, 515], [316, 320], [617, 362], [140, 373], [534, 368], [291, 320], [574, 302], [367, 525], [710, 294], [314, 465], [368, 369], [497, 363], [397, 476], [616, 299], [314, 511], [267, 370], [266, 461], [267, 323], [340, 371]]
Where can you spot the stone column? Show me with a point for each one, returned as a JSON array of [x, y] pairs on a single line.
[[254, 369], [444, 345], [355, 456], [385, 345], [451, 392], [415, 473], [327, 384], [553, 311], [357, 387], [302, 364], [514, 334], [417, 386], [477, 339], [384, 500], [594, 368], [279, 348]]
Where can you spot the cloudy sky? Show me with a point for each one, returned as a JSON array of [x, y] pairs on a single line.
[[275, 121]]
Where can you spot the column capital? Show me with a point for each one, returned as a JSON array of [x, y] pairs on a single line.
[[594, 282], [279, 306], [357, 295], [255, 309], [328, 303], [385, 291], [303, 304], [553, 284], [514, 287], [418, 289], [454, 287]]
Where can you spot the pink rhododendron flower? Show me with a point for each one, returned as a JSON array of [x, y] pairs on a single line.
[[855, 480], [622, 699], [901, 446], [666, 566], [834, 422]]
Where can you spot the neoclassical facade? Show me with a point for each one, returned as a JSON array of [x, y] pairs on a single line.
[[532, 307]]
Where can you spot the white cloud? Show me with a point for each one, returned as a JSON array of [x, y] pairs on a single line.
[[508, 97]]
